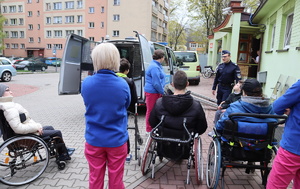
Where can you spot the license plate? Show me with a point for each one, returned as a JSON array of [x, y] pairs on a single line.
[[184, 69]]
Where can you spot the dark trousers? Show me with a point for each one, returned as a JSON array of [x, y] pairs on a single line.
[[51, 132], [222, 93]]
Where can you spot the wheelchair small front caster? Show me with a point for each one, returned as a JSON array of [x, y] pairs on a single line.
[[61, 165]]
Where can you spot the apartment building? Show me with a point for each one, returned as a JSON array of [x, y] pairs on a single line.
[[40, 27]]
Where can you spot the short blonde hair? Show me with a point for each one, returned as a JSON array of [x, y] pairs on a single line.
[[106, 56]]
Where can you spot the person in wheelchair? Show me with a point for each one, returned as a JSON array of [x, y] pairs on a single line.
[[252, 101], [21, 123], [175, 108]]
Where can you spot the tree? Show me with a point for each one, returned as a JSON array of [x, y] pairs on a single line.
[[2, 34]]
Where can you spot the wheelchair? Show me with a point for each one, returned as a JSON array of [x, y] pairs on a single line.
[[23, 158], [186, 145], [242, 142]]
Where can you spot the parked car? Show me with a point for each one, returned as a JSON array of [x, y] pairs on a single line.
[[190, 65], [7, 70], [53, 61], [32, 65]]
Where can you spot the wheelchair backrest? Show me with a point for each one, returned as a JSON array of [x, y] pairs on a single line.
[[6, 130]]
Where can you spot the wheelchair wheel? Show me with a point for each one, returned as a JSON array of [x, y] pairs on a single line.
[[265, 172], [213, 164], [198, 160], [147, 155], [22, 160]]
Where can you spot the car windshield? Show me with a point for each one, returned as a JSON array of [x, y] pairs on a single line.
[[186, 56]]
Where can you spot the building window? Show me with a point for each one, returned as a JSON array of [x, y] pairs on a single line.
[[57, 19], [273, 36], [92, 38], [39, 39], [14, 45], [57, 33], [91, 24], [37, 1], [48, 20], [102, 9], [48, 33], [22, 34], [30, 26], [14, 34], [21, 21], [48, 6], [102, 24], [29, 1], [79, 32], [31, 40], [69, 19], [70, 5], [49, 46], [58, 46], [39, 26], [79, 4], [116, 33], [12, 9], [6, 34], [20, 8], [116, 17], [13, 21], [288, 31], [22, 46], [57, 6], [29, 13], [79, 18], [4, 9], [7, 45], [69, 32], [5, 22], [91, 10], [116, 2], [38, 13]]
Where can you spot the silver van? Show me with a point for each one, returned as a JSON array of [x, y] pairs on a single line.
[[76, 60]]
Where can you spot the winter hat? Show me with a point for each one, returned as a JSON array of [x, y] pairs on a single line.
[[252, 87], [3, 88]]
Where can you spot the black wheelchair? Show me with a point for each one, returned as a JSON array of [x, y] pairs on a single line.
[[183, 145], [242, 145], [23, 158]]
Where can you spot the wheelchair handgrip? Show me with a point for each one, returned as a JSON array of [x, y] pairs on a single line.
[[152, 134], [262, 116]]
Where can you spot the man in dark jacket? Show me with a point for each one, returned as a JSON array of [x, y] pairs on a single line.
[[177, 107]]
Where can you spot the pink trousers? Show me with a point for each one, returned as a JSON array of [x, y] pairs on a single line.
[[150, 102], [100, 157], [286, 167]]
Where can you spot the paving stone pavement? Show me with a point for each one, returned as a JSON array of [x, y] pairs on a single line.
[[38, 94]]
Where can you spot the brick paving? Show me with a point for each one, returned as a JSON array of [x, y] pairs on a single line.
[[38, 94]]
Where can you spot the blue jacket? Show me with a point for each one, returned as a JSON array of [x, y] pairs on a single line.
[[247, 104], [155, 78], [106, 98], [291, 135]]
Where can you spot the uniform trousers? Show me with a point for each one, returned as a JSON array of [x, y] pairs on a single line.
[[222, 93], [100, 157], [286, 167]]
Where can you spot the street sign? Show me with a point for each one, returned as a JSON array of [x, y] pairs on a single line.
[[54, 50]]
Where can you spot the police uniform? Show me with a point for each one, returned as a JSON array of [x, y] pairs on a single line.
[[226, 75]]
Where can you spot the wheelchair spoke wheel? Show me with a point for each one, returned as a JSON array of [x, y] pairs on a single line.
[[147, 156], [265, 172], [198, 160], [213, 164], [22, 160]]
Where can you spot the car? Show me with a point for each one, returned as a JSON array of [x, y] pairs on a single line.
[[190, 64], [7, 69], [32, 65], [53, 61]]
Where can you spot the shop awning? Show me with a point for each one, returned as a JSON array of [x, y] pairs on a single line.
[[34, 48]]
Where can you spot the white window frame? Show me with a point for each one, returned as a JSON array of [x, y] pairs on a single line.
[[116, 17], [288, 31], [69, 4], [30, 26], [116, 2], [116, 33], [91, 24], [92, 38], [12, 9], [58, 46], [39, 39], [29, 13], [48, 33], [14, 46], [49, 46], [69, 19], [13, 21], [22, 34], [102, 24], [6, 34], [48, 20], [57, 20], [58, 33], [22, 46], [102, 9], [31, 39], [20, 7], [14, 34], [29, 1], [273, 36], [57, 6], [92, 10], [79, 32], [7, 46], [4, 9], [69, 32], [79, 4], [79, 18], [48, 6]]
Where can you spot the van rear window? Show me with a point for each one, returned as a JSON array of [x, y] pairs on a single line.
[[186, 56]]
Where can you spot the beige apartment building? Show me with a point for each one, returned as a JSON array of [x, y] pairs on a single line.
[[40, 27]]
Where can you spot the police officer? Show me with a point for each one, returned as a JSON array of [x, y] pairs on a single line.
[[227, 73]]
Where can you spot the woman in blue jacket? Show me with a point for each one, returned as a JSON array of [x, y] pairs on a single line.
[[155, 83], [106, 98], [286, 165]]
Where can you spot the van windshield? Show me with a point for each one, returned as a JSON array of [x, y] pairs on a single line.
[[186, 56]]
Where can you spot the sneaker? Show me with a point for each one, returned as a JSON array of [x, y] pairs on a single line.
[[128, 158], [70, 151]]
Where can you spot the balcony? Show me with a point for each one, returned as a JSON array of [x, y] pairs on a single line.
[[165, 30], [166, 18], [167, 5], [154, 25], [154, 10]]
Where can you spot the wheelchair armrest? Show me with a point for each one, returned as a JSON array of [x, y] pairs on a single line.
[[281, 118]]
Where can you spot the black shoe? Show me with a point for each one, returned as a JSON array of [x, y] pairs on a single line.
[[64, 157]]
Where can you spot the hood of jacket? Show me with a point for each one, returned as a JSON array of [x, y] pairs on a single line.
[[256, 104], [177, 104]]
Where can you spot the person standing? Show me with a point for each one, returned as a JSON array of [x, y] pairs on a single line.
[[123, 71], [106, 98], [155, 82], [227, 75], [286, 165], [256, 60]]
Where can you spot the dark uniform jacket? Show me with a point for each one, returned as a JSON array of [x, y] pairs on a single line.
[[227, 73]]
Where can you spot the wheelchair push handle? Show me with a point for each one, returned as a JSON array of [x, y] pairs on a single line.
[[153, 133], [281, 118]]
